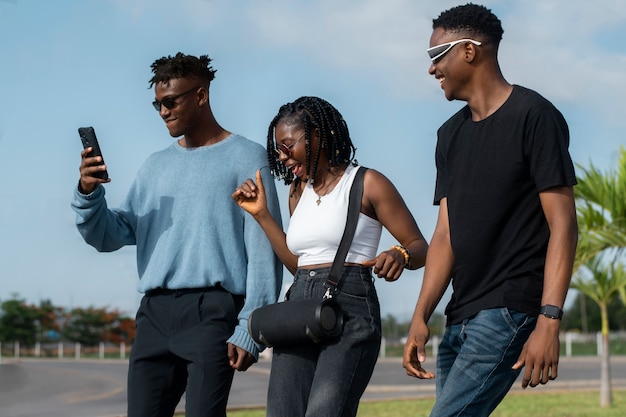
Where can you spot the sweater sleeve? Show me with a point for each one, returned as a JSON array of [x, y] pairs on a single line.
[[106, 230], [265, 271]]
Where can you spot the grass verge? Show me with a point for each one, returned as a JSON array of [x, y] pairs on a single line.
[[544, 404]]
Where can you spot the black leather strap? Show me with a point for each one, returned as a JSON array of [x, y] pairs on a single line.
[[354, 208]]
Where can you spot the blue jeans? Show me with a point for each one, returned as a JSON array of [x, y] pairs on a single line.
[[328, 379], [475, 359]]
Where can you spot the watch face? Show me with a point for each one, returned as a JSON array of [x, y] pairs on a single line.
[[552, 312]]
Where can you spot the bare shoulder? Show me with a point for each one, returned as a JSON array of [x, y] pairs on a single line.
[[378, 192], [376, 182]]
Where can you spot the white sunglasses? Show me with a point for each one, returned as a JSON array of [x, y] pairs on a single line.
[[439, 51]]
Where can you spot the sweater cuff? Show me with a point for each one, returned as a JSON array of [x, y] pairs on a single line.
[[95, 194], [242, 338]]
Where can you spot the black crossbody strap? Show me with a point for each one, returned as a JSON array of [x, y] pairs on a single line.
[[354, 208]]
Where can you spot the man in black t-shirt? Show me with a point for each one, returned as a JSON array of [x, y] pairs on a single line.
[[506, 233]]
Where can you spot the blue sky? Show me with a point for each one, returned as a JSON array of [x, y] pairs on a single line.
[[73, 63]]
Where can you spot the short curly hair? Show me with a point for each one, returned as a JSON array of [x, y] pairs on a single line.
[[471, 20], [182, 66]]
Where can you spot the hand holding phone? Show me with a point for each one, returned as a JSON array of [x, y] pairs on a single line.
[[89, 139]]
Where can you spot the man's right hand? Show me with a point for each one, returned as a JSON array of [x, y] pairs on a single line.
[[415, 351], [88, 167]]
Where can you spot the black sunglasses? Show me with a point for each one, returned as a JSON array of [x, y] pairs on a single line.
[[170, 102]]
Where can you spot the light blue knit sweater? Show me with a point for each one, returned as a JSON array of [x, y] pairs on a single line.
[[188, 231]]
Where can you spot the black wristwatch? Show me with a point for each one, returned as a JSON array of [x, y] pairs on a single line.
[[552, 312]]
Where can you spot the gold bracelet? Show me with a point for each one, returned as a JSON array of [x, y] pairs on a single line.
[[405, 253]]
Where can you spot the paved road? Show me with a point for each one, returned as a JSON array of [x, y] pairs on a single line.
[[69, 388]]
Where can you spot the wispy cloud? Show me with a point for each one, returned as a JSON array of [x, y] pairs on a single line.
[[570, 50]]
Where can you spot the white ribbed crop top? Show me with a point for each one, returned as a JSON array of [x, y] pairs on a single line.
[[315, 231]]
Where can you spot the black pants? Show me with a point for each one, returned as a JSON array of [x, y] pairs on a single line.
[[180, 346]]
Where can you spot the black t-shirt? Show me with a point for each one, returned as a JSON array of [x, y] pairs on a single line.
[[491, 173]]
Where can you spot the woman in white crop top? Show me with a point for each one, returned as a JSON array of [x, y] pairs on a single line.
[[309, 147]]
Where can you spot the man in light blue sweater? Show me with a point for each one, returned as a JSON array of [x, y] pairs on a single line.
[[204, 265]]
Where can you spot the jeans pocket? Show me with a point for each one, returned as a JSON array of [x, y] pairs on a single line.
[[358, 288], [515, 319], [295, 290]]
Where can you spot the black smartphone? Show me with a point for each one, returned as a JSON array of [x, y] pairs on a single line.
[[89, 139]]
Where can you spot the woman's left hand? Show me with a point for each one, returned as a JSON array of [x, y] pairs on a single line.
[[388, 265]]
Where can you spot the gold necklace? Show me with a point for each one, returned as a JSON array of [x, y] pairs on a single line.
[[325, 192]]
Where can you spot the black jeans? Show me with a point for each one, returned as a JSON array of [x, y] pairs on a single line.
[[328, 379], [180, 346]]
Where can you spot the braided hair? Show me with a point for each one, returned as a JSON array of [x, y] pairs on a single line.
[[182, 66], [312, 113], [471, 20]]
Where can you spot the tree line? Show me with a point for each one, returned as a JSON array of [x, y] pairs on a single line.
[[46, 323], [29, 324]]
